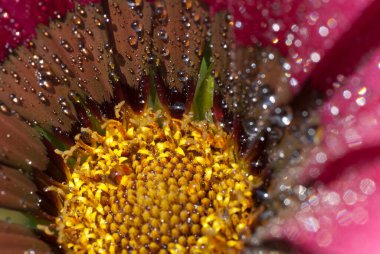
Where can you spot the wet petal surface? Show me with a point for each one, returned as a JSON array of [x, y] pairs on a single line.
[[308, 32]]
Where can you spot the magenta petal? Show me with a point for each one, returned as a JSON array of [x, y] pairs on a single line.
[[309, 31], [18, 19], [339, 217], [342, 214], [216, 5], [351, 122]]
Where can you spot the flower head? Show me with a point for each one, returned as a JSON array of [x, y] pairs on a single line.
[[254, 68]]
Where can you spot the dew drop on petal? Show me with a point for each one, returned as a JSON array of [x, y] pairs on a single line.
[[332, 198], [315, 57], [350, 197], [321, 157], [367, 186], [311, 224], [361, 101], [360, 215], [324, 238], [334, 110], [344, 217], [347, 94], [323, 31]]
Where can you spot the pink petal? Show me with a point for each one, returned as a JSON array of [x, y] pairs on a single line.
[[341, 216], [350, 119], [18, 19], [339, 35], [308, 32]]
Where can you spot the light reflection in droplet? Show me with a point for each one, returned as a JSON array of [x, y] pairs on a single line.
[[332, 23], [334, 110], [361, 101], [276, 27], [321, 157], [313, 200], [238, 24], [347, 94], [350, 197], [311, 224], [293, 82], [344, 217], [332, 198], [324, 238], [360, 215], [362, 90], [323, 31], [315, 57], [367, 186]]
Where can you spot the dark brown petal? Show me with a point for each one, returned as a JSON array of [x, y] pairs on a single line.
[[77, 48], [131, 25], [251, 82], [221, 50], [221, 47], [17, 239], [20, 91], [240, 71], [257, 69], [68, 56], [271, 72], [20, 145], [259, 95], [180, 31], [17, 191]]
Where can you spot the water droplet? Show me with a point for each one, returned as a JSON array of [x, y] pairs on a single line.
[[311, 224], [187, 4], [350, 197], [183, 76], [315, 57], [250, 127], [135, 3], [165, 52], [276, 27], [282, 116], [98, 23], [186, 59], [361, 101], [137, 26], [178, 108], [163, 35], [323, 31], [160, 13], [132, 40], [77, 21], [43, 98], [66, 45], [367, 186], [15, 99]]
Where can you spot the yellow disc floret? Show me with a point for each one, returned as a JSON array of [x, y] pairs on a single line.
[[154, 184]]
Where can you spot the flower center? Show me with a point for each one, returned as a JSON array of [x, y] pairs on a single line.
[[155, 184]]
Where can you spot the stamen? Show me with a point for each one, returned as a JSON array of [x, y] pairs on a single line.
[[154, 184]]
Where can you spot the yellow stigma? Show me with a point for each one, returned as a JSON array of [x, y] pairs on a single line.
[[154, 184]]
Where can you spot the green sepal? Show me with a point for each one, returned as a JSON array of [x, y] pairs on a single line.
[[58, 144], [153, 101], [204, 93], [95, 123], [20, 218]]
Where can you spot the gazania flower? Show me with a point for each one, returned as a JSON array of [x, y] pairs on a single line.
[[177, 127]]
